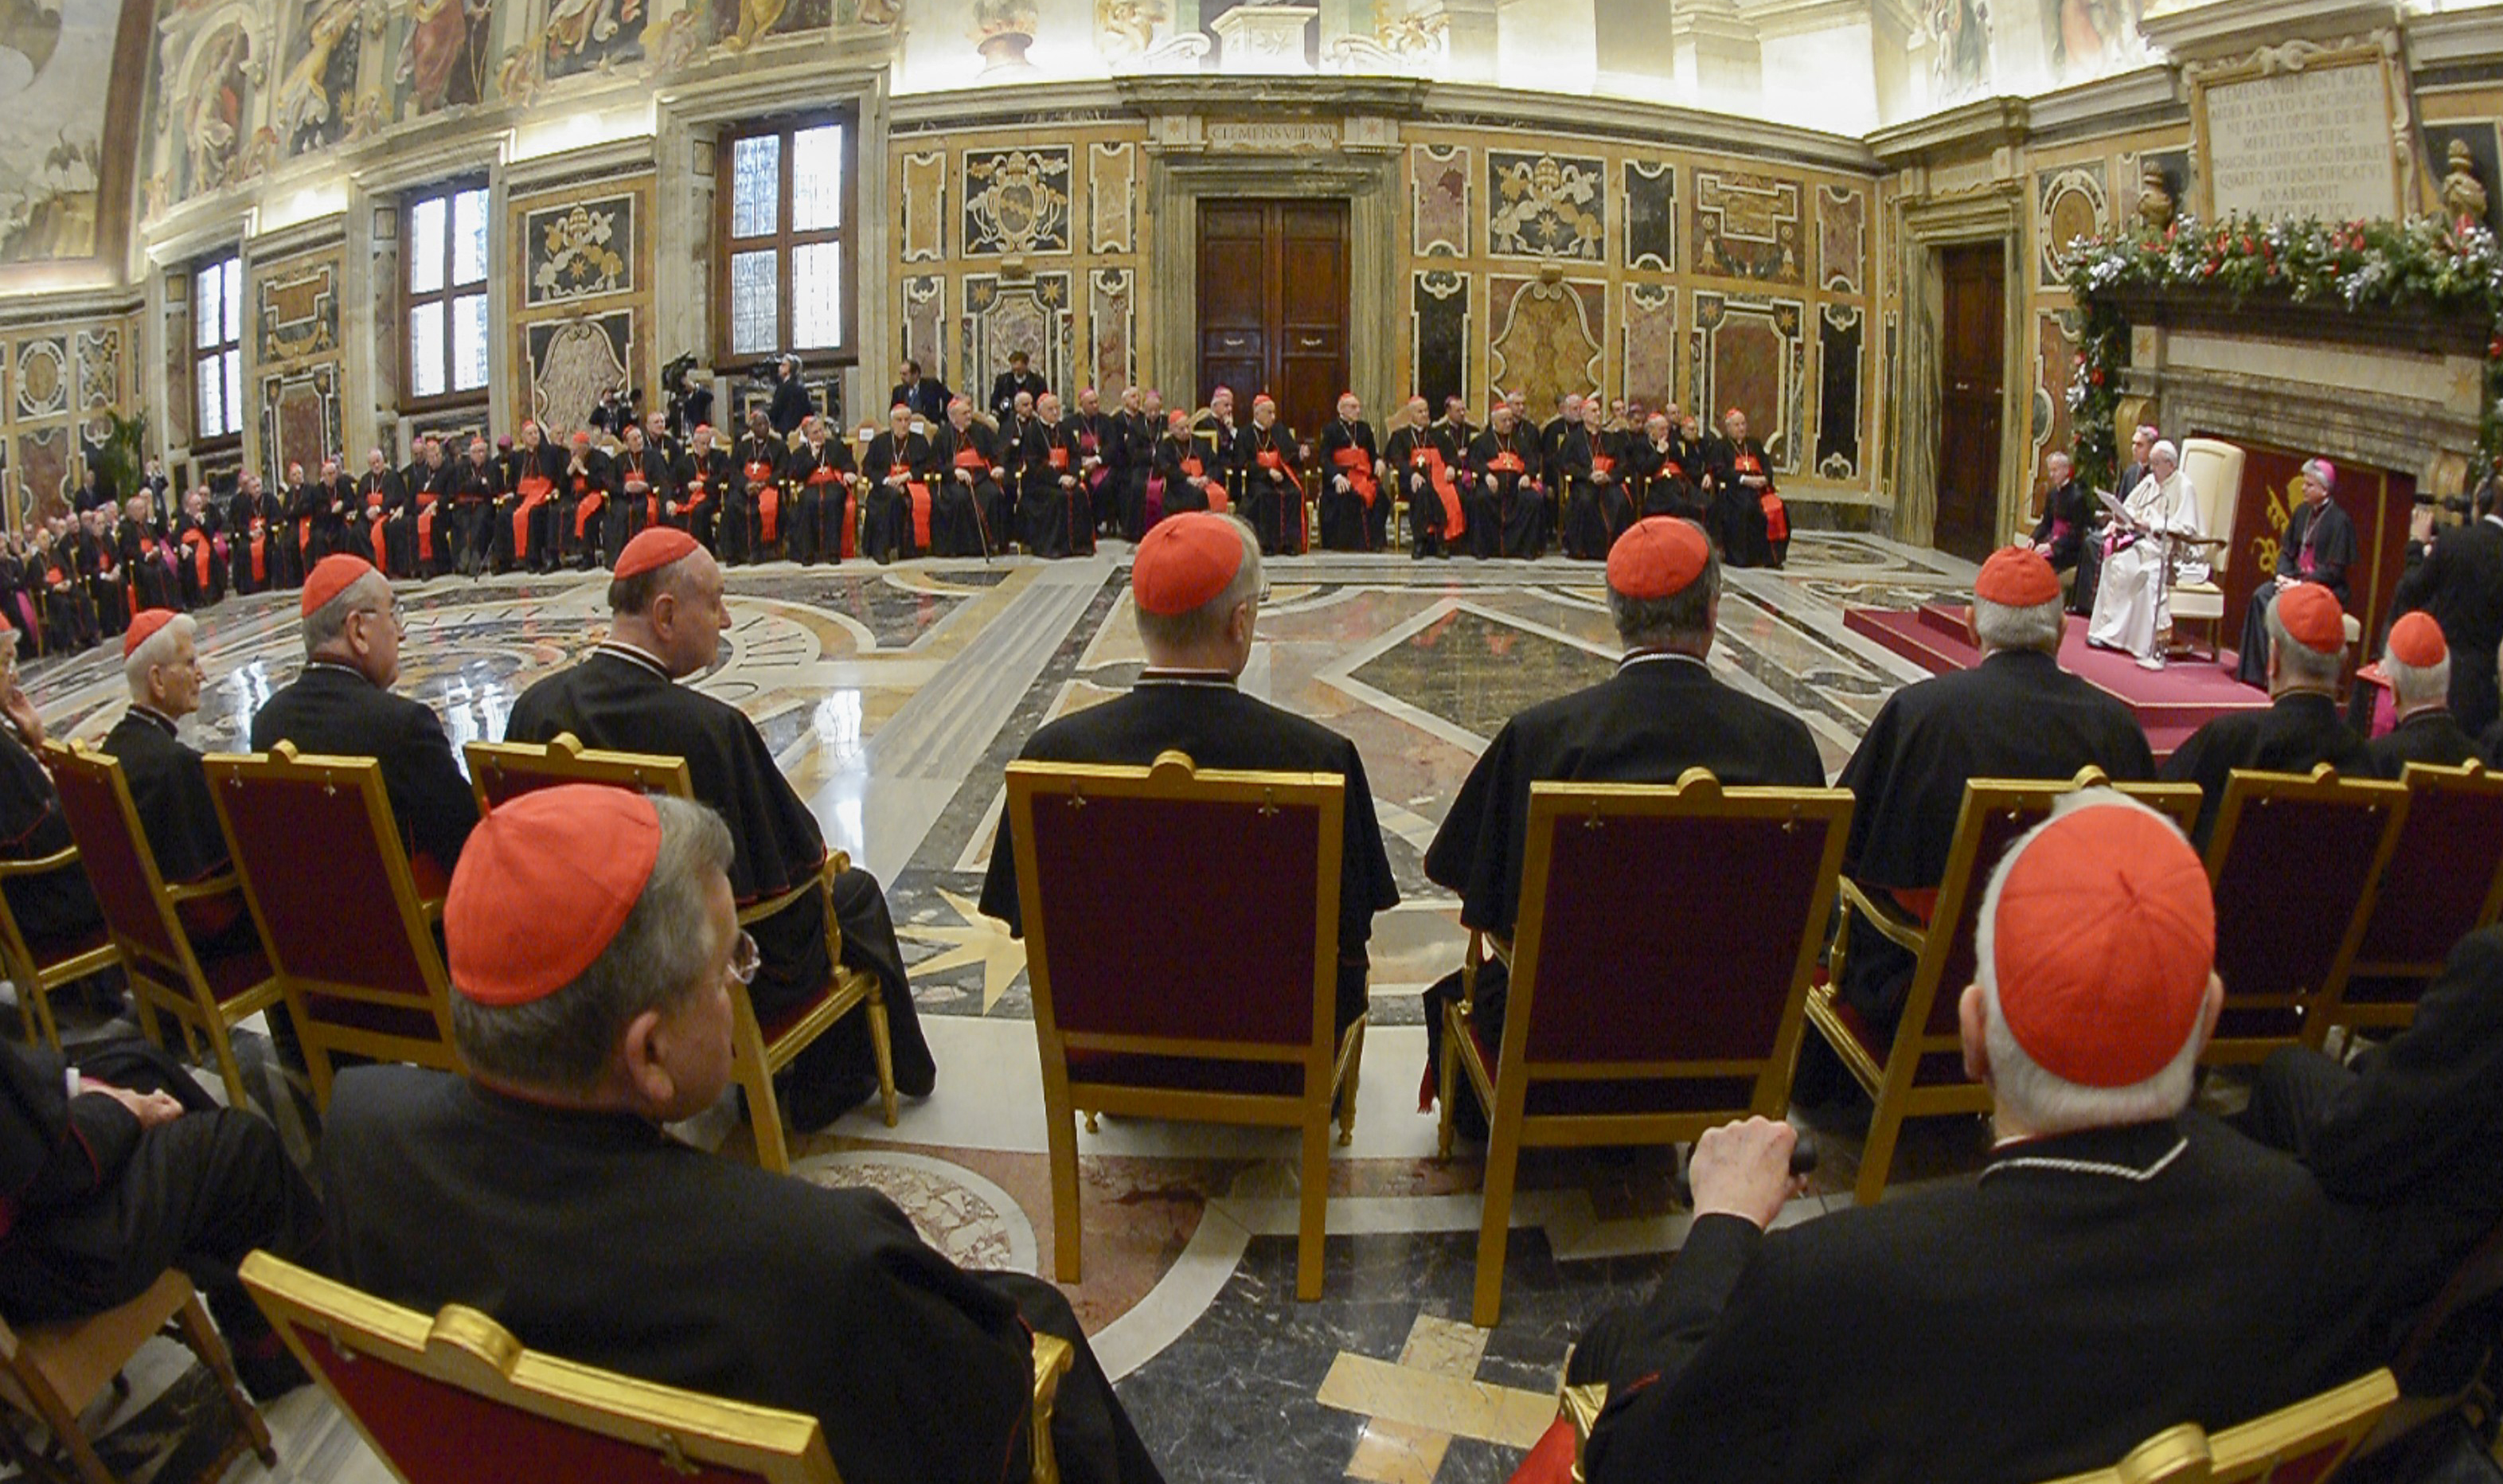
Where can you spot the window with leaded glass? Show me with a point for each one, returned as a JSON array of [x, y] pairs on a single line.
[[443, 249], [217, 351], [785, 194]]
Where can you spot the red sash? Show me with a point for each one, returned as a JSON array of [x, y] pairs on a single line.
[[651, 496], [1506, 463], [769, 498], [304, 535], [1059, 459], [1352, 463], [535, 490], [587, 503], [918, 493], [1602, 463], [259, 552], [1778, 516], [1438, 479], [425, 528], [374, 536], [970, 457], [198, 540], [695, 494], [824, 473]]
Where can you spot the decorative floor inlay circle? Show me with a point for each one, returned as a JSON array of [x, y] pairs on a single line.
[[971, 1220]]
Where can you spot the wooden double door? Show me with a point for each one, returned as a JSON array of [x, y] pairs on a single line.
[[1273, 306], [1971, 386]]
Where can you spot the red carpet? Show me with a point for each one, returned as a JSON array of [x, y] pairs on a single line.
[[2171, 703]]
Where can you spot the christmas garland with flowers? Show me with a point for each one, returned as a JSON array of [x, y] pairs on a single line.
[[2424, 263]]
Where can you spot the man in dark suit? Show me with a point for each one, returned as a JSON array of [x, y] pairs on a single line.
[[2417, 663], [1661, 714], [2460, 583], [1196, 587], [791, 405], [2410, 1130], [168, 788], [2301, 729], [1006, 386], [543, 1189], [927, 395], [342, 705], [2121, 1265], [2017, 714], [665, 621]]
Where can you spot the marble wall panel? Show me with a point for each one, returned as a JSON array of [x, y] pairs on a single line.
[[1547, 206], [2070, 203], [922, 196], [1111, 197], [1016, 200], [1440, 328], [1438, 200], [1650, 365], [43, 466], [578, 250], [1842, 239], [1112, 325], [178, 343], [574, 359], [1750, 352], [1747, 227], [99, 367], [1549, 339], [299, 413], [43, 377], [925, 315], [1839, 331], [1651, 215], [296, 309], [1029, 313], [2055, 353]]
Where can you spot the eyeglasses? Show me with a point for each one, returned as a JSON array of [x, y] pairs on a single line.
[[746, 959]]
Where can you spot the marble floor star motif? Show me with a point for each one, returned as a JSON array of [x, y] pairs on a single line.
[[976, 939]]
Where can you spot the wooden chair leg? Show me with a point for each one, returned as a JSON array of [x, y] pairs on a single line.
[[39, 1002], [1877, 1155], [62, 1420], [228, 1068], [1347, 1087], [206, 1343], [764, 1114], [1312, 1217], [1450, 1033], [1060, 1133], [883, 1050], [1494, 1226]]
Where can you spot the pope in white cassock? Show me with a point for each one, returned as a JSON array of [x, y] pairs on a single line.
[[2132, 613]]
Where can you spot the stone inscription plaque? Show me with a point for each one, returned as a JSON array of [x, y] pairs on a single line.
[[2315, 143]]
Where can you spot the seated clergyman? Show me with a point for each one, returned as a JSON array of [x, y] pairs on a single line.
[[2119, 1266], [543, 1189]]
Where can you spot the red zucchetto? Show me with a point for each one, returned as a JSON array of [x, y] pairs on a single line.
[[579, 854], [2017, 577], [2416, 642], [2313, 617], [1185, 562], [2101, 936], [1657, 557], [653, 548], [331, 576], [144, 628]]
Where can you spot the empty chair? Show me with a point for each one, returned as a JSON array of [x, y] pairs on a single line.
[[2445, 881], [1219, 1007], [1659, 970], [353, 946]]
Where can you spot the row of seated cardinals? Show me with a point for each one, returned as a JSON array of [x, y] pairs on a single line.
[[2122, 1261], [1038, 478]]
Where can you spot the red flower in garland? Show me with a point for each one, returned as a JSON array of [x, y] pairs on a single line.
[[2095, 377]]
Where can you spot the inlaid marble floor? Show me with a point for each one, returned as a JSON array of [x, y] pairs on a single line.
[[893, 696]]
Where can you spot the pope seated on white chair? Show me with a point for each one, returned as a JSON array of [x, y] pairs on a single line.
[[2160, 520]]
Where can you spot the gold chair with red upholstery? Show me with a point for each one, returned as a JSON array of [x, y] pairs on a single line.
[[1659, 973], [456, 1399], [353, 948], [2294, 863], [206, 997], [1920, 1072], [36, 967], [1219, 1010], [2444, 882], [501, 771], [51, 1373]]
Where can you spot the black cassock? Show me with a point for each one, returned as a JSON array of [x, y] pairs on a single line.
[[57, 909], [2208, 1278], [903, 496], [2017, 714], [1178, 461], [1738, 521], [2319, 546], [2297, 734], [1350, 521], [818, 476], [1663, 478], [1056, 519], [381, 534], [1425, 466], [757, 463], [2427, 736], [1137, 457], [1204, 715], [333, 710], [973, 518], [1659, 715], [170, 790], [154, 581], [2067, 510], [1507, 516], [1597, 510], [597, 1238], [199, 548], [477, 489], [619, 698], [1273, 490], [2460, 583]]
